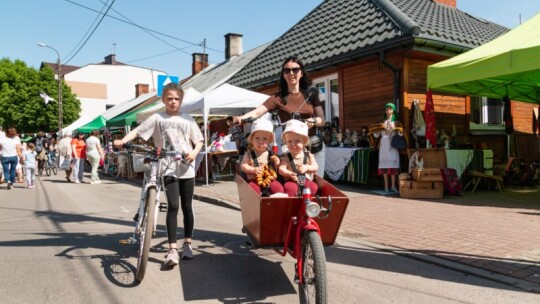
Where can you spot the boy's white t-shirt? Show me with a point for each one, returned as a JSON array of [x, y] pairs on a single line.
[[173, 133]]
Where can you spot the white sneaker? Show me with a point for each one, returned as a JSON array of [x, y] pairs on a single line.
[[187, 251], [95, 182], [171, 259], [77, 182]]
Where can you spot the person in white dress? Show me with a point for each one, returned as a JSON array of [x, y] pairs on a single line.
[[388, 155]]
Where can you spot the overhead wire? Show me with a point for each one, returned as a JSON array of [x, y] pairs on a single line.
[[87, 31], [93, 31], [142, 27]]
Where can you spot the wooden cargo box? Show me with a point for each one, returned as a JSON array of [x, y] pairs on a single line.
[[427, 174], [266, 219], [420, 189]]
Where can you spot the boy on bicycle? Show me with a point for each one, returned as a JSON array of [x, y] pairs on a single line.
[[174, 131]]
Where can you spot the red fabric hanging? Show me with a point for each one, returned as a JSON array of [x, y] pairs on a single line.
[[429, 117]]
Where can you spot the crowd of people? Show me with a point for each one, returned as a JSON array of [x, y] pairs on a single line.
[[24, 160]]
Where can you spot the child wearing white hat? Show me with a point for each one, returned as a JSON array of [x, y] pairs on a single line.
[[259, 162], [297, 160]]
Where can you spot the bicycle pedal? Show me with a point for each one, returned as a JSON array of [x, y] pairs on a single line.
[[162, 207], [136, 217]]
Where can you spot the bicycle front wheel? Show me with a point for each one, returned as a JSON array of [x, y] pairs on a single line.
[[145, 233], [55, 169], [48, 170], [313, 287]]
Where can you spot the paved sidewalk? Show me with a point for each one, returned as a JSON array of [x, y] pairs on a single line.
[[492, 231]]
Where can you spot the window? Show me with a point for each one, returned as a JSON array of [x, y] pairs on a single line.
[[328, 95], [486, 113]]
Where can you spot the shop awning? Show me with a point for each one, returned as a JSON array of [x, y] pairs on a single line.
[[506, 66], [127, 119], [96, 124]]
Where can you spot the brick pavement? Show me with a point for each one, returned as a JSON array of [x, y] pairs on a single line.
[[494, 231]]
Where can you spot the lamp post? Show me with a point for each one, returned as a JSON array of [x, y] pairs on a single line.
[[59, 71]]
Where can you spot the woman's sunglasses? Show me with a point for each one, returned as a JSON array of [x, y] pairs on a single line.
[[288, 71]]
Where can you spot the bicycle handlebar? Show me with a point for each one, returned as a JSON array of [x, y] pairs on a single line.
[[157, 152]]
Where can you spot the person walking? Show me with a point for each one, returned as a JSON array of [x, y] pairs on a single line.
[[65, 152], [174, 131], [2, 135], [78, 147], [11, 149], [293, 102], [95, 155], [41, 142], [29, 160]]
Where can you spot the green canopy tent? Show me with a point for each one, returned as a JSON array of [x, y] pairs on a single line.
[[506, 66], [96, 124], [127, 119]]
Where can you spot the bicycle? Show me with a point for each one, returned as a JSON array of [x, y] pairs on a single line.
[[50, 165], [146, 216]]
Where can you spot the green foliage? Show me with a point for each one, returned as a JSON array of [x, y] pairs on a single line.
[[20, 103]]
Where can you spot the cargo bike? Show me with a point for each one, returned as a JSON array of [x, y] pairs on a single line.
[[300, 226]]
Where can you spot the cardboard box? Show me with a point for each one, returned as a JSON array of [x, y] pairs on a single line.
[[420, 189], [427, 175]]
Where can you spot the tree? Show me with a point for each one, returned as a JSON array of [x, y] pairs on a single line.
[[21, 105]]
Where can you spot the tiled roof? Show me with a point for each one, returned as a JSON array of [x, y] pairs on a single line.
[[216, 74], [65, 68], [338, 31]]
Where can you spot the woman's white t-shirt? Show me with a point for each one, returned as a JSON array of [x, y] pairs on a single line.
[[9, 145], [92, 145], [173, 133]]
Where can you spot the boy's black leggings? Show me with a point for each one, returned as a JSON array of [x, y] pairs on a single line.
[[179, 189]]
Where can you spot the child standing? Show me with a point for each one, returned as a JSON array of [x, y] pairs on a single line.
[[29, 157], [297, 160], [259, 163]]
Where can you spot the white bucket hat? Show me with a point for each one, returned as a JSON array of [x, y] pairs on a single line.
[[297, 127], [264, 125]]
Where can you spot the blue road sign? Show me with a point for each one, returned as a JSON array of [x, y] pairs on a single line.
[[163, 80]]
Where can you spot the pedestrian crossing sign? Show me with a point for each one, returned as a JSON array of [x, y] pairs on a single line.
[[164, 80]]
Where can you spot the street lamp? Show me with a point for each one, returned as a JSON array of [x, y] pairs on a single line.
[[59, 71]]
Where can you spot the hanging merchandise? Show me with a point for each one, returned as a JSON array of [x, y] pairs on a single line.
[[508, 120], [429, 117]]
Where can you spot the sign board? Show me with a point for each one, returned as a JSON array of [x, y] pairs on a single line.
[[163, 80]]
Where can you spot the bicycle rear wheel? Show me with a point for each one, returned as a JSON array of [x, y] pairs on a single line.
[[313, 288], [48, 170], [145, 233]]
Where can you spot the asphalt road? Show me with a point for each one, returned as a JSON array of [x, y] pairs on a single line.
[[59, 244]]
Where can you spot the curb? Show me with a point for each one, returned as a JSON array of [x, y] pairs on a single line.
[[463, 268]]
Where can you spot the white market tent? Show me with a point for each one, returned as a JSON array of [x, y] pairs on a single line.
[[224, 100], [190, 95]]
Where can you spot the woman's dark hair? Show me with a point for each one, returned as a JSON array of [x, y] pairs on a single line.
[[305, 81]]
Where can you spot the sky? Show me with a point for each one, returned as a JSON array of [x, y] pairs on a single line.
[[162, 34]]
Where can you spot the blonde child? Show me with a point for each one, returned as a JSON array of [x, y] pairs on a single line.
[[259, 162], [29, 160], [297, 160]]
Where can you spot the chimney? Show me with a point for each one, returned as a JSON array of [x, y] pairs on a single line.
[[140, 89], [451, 3], [111, 59], [233, 45], [200, 61]]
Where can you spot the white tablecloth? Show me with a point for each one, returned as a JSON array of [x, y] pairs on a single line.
[[336, 159], [459, 160]]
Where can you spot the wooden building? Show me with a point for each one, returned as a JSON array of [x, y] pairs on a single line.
[[365, 53]]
